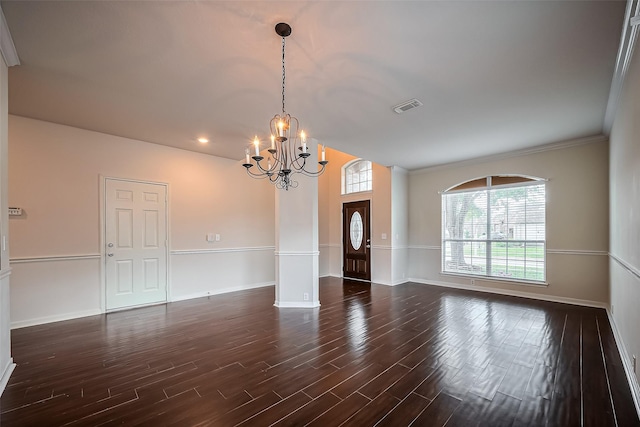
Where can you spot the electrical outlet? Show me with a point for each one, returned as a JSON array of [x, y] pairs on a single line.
[[611, 308], [473, 281], [305, 296], [634, 363]]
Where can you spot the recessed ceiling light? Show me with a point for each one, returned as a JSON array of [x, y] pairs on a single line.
[[202, 140]]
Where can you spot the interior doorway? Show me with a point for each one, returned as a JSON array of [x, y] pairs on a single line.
[[356, 240], [135, 238]]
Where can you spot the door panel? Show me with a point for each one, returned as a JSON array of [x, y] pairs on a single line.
[[135, 234], [356, 240]]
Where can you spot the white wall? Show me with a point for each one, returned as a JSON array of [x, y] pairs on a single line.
[[296, 224], [6, 361], [399, 224], [55, 176], [625, 212], [577, 219]]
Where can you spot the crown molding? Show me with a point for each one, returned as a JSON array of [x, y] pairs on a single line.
[[7, 48], [628, 40], [517, 153]]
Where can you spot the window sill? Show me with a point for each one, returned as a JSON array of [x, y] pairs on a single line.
[[522, 282], [356, 192]]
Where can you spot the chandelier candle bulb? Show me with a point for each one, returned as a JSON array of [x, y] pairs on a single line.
[[273, 142], [247, 159], [256, 142], [323, 155], [303, 138]]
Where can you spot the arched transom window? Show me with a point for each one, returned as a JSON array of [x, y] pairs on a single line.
[[495, 226], [357, 176]]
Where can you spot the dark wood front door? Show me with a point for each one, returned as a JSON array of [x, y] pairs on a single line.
[[356, 240]]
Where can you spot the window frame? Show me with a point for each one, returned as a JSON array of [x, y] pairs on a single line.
[[345, 169], [526, 181]]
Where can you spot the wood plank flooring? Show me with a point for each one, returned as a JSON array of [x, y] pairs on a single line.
[[370, 355]]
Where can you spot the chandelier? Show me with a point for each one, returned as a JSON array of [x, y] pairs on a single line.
[[288, 152]]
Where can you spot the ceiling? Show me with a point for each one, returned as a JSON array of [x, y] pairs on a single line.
[[493, 76]]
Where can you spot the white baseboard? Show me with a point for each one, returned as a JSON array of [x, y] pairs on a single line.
[[57, 318], [551, 298], [396, 283], [399, 282], [221, 291], [297, 304], [69, 316], [627, 364], [6, 374]]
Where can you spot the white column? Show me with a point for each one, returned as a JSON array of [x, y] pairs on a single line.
[[297, 240]]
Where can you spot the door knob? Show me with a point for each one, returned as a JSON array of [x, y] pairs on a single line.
[[368, 246], [110, 245], [109, 254]]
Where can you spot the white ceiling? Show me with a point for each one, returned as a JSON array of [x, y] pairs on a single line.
[[493, 76]]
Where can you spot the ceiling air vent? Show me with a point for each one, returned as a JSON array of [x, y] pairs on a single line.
[[407, 105]]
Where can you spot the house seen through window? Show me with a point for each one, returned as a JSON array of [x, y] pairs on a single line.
[[495, 227], [357, 176]]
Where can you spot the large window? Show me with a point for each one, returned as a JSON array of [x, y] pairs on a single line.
[[495, 226], [357, 176]]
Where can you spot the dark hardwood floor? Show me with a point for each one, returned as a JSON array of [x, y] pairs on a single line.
[[371, 355]]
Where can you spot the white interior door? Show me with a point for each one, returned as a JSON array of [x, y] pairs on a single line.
[[136, 243]]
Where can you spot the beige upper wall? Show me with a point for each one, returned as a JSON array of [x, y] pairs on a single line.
[[577, 194], [380, 198], [54, 177], [577, 218], [625, 171]]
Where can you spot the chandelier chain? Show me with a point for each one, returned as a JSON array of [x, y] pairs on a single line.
[[283, 75]]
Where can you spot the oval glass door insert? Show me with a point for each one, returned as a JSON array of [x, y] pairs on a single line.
[[355, 227]]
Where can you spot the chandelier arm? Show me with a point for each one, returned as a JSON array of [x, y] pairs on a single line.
[[277, 156], [297, 165], [262, 169], [274, 178], [257, 175], [316, 173]]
